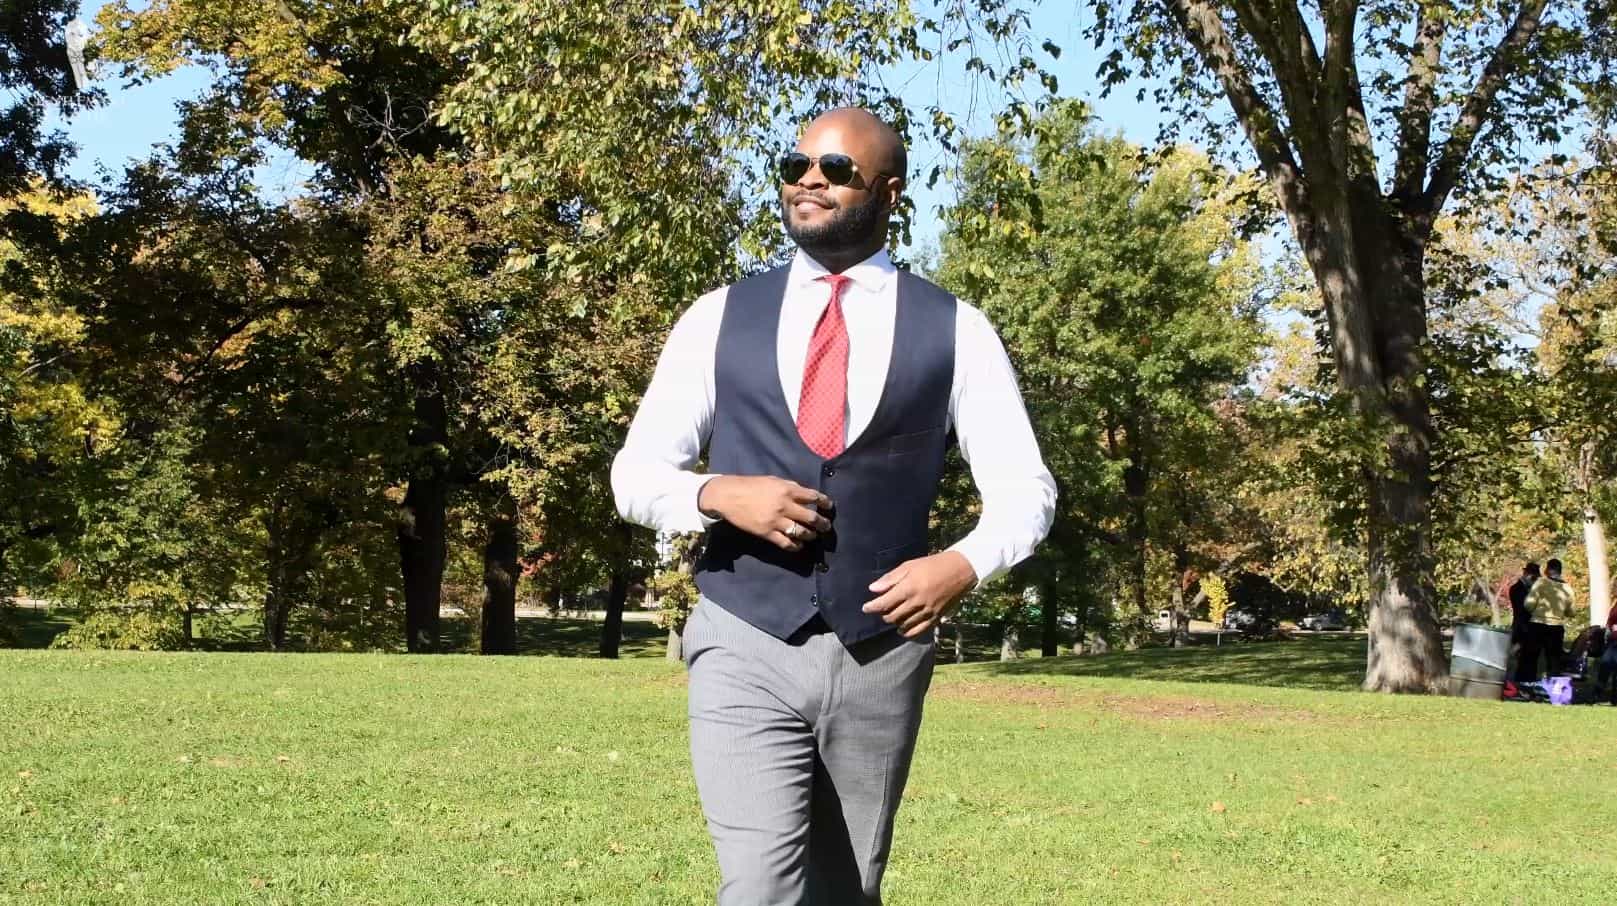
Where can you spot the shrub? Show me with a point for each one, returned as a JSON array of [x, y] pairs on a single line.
[[676, 597], [139, 630]]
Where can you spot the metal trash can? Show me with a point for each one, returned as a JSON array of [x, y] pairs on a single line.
[[1477, 666]]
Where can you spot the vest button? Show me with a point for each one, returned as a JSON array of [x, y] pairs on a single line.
[[815, 600], [830, 472], [823, 567]]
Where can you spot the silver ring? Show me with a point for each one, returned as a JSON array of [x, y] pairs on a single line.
[[794, 530]]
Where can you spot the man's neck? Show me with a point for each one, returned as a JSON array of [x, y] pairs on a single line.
[[841, 259]]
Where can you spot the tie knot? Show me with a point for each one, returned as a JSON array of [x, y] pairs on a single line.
[[837, 281]]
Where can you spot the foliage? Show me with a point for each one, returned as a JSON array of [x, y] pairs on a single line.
[[134, 630], [1218, 598], [54, 423], [676, 595], [1345, 108], [1129, 310]]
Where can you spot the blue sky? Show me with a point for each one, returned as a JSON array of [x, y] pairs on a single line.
[[134, 119]]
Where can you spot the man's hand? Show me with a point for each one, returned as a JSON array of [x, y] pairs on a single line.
[[916, 594], [782, 512]]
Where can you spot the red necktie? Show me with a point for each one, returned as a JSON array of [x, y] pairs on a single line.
[[821, 410]]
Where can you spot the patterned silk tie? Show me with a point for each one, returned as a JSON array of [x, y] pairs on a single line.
[[821, 410]]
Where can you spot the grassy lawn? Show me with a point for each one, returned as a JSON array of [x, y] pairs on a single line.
[[1133, 778]]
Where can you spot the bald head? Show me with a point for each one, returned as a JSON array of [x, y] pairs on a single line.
[[840, 223], [884, 150]]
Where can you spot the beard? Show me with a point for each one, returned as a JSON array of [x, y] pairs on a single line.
[[847, 228]]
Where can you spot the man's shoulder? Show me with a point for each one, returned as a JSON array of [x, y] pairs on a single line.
[[751, 283]]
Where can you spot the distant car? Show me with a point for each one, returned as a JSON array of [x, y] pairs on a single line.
[[1333, 620], [1238, 620]]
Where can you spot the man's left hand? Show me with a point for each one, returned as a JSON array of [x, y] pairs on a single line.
[[916, 594]]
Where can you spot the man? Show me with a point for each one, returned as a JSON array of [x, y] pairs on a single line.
[[824, 393], [1520, 625], [1550, 604]]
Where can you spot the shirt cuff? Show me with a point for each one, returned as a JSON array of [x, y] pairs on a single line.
[[706, 520], [984, 559]]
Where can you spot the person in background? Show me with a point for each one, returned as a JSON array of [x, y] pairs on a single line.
[[1521, 635], [1606, 680], [1550, 604]]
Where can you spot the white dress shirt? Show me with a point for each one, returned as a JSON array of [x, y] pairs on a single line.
[[652, 477]]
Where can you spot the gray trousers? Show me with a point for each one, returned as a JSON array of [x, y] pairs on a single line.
[[801, 749]]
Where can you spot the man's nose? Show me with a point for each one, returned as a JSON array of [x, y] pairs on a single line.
[[813, 177]]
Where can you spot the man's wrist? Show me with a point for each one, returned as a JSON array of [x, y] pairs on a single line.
[[965, 573], [709, 499]]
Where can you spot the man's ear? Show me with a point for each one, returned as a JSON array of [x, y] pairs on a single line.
[[892, 192]]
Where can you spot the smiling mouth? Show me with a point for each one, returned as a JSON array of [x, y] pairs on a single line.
[[804, 202]]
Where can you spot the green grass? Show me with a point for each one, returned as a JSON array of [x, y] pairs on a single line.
[[254, 778]]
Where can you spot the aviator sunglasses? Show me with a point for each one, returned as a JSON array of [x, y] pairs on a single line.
[[839, 169]]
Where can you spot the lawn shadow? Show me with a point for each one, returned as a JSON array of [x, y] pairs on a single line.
[[32, 627], [563, 637], [1315, 663]]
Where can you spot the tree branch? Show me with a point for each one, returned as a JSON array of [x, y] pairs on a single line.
[[1479, 106], [1285, 40], [1415, 124], [1201, 25]]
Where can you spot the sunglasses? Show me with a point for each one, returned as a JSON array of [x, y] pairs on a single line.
[[839, 169]]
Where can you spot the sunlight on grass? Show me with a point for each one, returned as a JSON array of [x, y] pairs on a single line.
[[249, 778]]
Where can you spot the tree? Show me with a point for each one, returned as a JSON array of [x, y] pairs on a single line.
[[1345, 136], [1129, 309], [34, 70], [334, 84]]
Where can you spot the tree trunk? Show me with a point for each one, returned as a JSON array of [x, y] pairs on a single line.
[[423, 513], [612, 626], [1405, 642], [1049, 643], [289, 555], [500, 572], [1369, 268], [1181, 578], [1134, 482], [676, 646], [1594, 544], [1010, 641]]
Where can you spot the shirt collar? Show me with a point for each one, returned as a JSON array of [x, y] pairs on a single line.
[[870, 275]]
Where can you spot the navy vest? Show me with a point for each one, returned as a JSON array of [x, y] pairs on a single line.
[[883, 485]]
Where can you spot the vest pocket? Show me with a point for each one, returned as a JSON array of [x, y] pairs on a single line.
[[917, 442], [893, 556]]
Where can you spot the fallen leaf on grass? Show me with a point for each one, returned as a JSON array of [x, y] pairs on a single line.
[[572, 863], [257, 883], [185, 759], [617, 848], [1304, 800], [282, 759], [25, 774], [1218, 808]]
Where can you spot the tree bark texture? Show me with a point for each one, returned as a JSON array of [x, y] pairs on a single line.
[[422, 516], [500, 574]]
